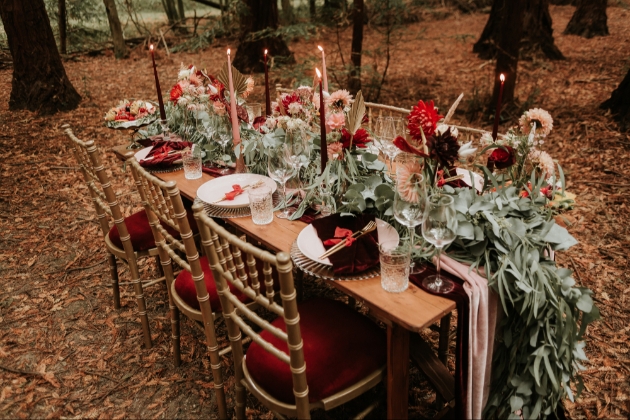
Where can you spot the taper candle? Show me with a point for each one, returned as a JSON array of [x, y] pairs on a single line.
[[324, 67], [236, 134], [322, 123], [157, 86], [267, 98], [495, 129]]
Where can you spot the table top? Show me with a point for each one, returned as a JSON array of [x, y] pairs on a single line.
[[414, 309]]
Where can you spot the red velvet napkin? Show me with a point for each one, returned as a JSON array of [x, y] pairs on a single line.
[[160, 151], [358, 257], [217, 172]]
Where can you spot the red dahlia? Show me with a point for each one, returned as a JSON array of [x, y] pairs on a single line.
[[176, 92], [360, 138], [425, 116]]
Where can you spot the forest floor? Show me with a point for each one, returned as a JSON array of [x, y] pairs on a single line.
[[64, 350]]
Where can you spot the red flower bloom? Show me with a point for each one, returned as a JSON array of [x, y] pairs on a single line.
[[502, 158], [288, 99], [425, 116], [360, 138], [176, 92]]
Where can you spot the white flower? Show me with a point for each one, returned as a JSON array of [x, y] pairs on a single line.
[[542, 118], [212, 90], [182, 101], [486, 139], [149, 107], [441, 129], [184, 73], [295, 108], [271, 123], [466, 150]]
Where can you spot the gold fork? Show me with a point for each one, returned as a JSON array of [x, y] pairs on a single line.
[[367, 229]]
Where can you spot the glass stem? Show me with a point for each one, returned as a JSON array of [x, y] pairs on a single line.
[[412, 239], [438, 279], [284, 199]]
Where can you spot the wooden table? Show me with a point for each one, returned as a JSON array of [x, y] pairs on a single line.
[[408, 312]]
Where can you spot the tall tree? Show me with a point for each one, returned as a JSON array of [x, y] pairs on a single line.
[[511, 29], [63, 26], [260, 15], [181, 10], [357, 45], [171, 11], [287, 11], [537, 32], [312, 10], [120, 49], [39, 80], [619, 103], [589, 19]]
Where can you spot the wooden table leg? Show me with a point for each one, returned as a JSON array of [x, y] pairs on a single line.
[[397, 372]]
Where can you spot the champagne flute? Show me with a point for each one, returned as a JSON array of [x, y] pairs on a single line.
[[409, 210], [440, 229], [224, 135], [280, 170], [386, 133]]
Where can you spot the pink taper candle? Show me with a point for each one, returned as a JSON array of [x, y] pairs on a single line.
[[157, 86], [324, 67], [236, 133], [495, 129], [322, 123]]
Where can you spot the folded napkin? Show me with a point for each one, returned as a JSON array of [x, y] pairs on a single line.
[[159, 153], [362, 254], [150, 141], [217, 172]]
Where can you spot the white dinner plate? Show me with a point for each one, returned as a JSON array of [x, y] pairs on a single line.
[[312, 247], [142, 153], [215, 189]]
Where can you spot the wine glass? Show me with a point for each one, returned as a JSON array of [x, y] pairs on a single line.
[[386, 133], [409, 209], [280, 170], [223, 137], [439, 228]]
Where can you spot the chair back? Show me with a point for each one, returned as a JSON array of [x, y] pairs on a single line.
[[374, 110], [100, 188], [220, 245]]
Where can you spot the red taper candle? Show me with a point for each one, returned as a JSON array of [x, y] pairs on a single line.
[[157, 86], [322, 123], [267, 98], [495, 129]]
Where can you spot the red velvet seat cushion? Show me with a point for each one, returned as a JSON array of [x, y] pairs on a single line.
[[140, 231], [341, 347], [185, 286]]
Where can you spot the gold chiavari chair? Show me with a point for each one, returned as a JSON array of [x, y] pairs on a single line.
[[127, 239], [318, 354]]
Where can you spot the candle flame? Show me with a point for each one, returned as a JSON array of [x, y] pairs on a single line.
[[320, 48], [502, 77], [318, 72], [151, 47], [265, 52], [228, 51]]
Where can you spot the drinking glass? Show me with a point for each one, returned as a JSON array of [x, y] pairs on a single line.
[[386, 133], [394, 258], [409, 209], [439, 228], [261, 205], [280, 171], [223, 137], [191, 160], [253, 110]]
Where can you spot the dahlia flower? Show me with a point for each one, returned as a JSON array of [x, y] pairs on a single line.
[[408, 185], [543, 120], [443, 148], [339, 99], [335, 151], [335, 121], [294, 108], [423, 117], [543, 161]]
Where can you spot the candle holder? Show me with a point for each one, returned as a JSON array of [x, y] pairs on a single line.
[[165, 130]]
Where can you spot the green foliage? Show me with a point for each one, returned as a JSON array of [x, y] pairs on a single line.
[[539, 351]]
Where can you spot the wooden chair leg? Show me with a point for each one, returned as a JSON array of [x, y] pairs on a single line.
[[142, 309], [113, 270], [299, 284], [177, 358], [445, 325], [217, 374]]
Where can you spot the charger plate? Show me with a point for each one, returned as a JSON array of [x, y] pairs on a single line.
[[233, 213], [326, 272]]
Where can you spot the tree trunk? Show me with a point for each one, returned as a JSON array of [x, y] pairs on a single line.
[[619, 104], [171, 12], [261, 14], [357, 46], [537, 32], [510, 26], [63, 26], [312, 9], [120, 49], [181, 10], [39, 80], [589, 19], [287, 11]]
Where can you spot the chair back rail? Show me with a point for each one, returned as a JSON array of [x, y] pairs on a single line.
[[106, 204], [162, 202], [213, 238]]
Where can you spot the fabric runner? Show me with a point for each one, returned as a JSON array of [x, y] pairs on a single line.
[[476, 323]]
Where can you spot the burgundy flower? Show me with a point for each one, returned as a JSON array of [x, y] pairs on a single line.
[[360, 138], [444, 148], [502, 158]]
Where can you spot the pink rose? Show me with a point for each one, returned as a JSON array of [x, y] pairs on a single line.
[[335, 121]]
